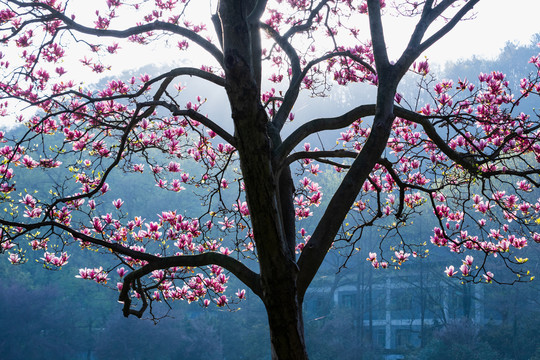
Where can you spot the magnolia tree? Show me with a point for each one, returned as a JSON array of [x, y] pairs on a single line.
[[463, 154]]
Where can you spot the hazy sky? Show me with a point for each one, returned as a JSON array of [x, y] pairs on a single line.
[[496, 22]]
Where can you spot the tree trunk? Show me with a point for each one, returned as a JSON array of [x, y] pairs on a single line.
[[286, 326]]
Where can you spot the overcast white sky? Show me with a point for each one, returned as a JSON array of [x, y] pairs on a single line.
[[496, 22]]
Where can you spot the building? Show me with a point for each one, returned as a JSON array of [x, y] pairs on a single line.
[[394, 310]]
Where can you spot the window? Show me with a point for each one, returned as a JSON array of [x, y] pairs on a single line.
[[347, 300], [403, 338], [380, 338], [401, 299]]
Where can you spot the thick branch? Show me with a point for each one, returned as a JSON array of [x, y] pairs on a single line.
[[297, 74], [306, 25], [429, 15], [205, 75], [241, 271], [448, 26], [377, 35], [415, 48], [117, 248], [195, 116], [321, 124], [189, 71], [319, 155], [294, 87], [460, 158], [340, 203], [257, 12]]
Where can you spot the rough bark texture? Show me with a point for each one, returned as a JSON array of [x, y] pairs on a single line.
[[268, 193], [269, 186], [264, 156]]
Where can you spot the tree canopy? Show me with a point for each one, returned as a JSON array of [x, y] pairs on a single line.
[[458, 150]]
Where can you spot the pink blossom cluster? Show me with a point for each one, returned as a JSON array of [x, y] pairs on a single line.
[[121, 127], [422, 169], [97, 274], [313, 196]]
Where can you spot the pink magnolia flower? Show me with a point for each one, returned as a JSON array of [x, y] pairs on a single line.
[[104, 188], [152, 226], [241, 294], [29, 162], [33, 213], [184, 177], [161, 183], [315, 199], [118, 203], [402, 256], [121, 271], [216, 270], [14, 258], [92, 204], [483, 207], [450, 271], [372, 257], [101, 277], [423, 67], [524, 185], [175, 185], [173, 167], [225, 250], [249, 246], [96, 223], [241, 207], [305, 182], [315, 169], [465, 270], [28, 200], [503, 245], [226, 223], [426, 110]]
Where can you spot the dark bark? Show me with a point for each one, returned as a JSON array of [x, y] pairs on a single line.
[[265, 158], [284, 316], [268, 191], [342, 200]]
